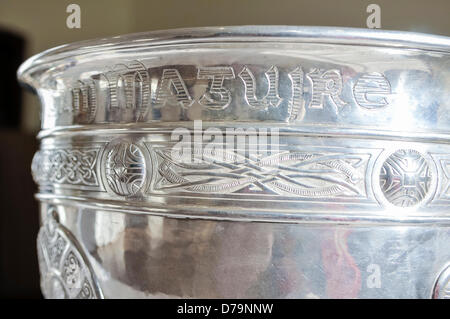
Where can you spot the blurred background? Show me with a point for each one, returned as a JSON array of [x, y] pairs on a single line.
[[28, 27]]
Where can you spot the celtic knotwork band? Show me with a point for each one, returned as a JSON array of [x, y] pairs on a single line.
[[129, 167], [66, 166], [290, 173]]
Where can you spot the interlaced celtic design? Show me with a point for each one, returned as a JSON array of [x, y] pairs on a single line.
[[65, 166], [289, 173]]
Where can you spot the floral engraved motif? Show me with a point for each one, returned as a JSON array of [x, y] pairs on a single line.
[[71, 271], [72, 166], [288, 173], [64, 271]]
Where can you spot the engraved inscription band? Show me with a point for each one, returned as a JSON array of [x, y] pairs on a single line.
[[250, 81]]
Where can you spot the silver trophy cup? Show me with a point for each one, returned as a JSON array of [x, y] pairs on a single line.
[[245, 162]]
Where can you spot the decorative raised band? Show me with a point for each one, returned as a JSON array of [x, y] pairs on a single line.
[[284, 177]]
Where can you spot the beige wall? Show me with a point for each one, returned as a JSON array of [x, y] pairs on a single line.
[[43, 22], [417, 15]]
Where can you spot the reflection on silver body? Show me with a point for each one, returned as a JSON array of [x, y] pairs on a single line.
[[350, 200]]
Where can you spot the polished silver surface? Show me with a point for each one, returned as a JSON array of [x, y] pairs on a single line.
[[241, 162]]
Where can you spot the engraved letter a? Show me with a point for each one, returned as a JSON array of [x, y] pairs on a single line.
[[172, 90]]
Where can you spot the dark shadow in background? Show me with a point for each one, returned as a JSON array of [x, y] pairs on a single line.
[[19, 221]]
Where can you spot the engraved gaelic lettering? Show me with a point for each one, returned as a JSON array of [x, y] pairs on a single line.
[[217, 96], [129, 87], [172, 90], [296, 108], [128, 95], [371, 90], [84, 99], [325, 83], [271, 98]]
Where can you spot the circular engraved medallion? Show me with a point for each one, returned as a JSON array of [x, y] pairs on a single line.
[[125, 168], [405, 178]]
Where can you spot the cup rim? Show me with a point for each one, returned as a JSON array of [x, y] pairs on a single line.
[[249, 33]]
